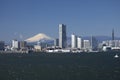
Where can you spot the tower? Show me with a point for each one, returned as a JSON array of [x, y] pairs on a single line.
[[113, 38], [87, 45], [79, 42], [62, 36], [94, 43], [73, 41], [113, 35], [15, 44]]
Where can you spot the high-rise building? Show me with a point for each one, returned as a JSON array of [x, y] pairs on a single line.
[[56, 42], [73, 41], [23, 44], [15, 44], [2, 44], [62, 36], [113, 38], [87, 45], [79, 42], [113, 34], [94, 43]]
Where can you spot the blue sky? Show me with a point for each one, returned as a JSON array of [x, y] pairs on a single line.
[[25, 18]]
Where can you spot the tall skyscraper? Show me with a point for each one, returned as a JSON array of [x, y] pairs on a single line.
[[62, 36], [73, 41]]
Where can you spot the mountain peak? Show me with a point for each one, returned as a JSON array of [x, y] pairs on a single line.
[[38, 37]]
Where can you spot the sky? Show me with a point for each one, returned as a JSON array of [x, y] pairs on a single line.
[[21, 19]]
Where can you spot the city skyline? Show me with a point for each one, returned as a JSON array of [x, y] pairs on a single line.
[[25, 18]]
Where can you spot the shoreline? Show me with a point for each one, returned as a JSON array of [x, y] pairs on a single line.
[[27, 52]]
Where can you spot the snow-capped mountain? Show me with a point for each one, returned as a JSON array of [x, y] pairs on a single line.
[[38, 37]]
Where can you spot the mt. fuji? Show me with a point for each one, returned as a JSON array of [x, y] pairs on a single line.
[[38, 37]]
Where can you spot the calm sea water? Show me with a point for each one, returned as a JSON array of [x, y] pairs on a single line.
[[54, 66]]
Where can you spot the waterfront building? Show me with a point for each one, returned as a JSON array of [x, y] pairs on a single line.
[[37, 48], [62, 36], [73, 41], [113, 35], [113, 38], [56, 42], [15, 44], [110, 43], [79, 42], [23, 44], [87, 45], [117, 43], [94, 43], [106, 48], [2, 44]]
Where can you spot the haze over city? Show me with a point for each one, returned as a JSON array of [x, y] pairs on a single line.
[[22, 19]]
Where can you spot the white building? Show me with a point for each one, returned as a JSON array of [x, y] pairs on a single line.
[[87, 45], [73, 41], [37, 48], [79, 43], [117, 43], [15, 44], [106, 48], [112, 43]]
